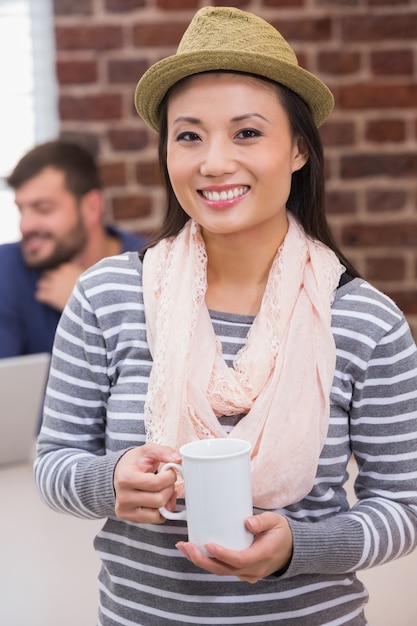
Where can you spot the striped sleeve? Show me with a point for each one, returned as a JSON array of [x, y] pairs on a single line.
[[90, 413], [376, 383]]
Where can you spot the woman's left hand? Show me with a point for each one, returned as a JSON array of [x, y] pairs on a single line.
[[271, 550]]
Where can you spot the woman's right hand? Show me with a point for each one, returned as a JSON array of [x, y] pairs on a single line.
[[140, 491]]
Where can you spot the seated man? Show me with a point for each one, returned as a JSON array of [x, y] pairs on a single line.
[[58, 192]]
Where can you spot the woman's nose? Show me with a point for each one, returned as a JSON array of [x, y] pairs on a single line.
[[218, 159]]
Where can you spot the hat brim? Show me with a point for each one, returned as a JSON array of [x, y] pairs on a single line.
[[159, 78]]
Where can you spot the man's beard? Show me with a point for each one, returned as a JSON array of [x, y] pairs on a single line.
[[65, 249]]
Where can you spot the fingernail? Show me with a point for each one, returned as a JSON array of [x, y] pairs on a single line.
[[185, 549]]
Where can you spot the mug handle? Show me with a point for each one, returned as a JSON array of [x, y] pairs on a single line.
[[175, 515]]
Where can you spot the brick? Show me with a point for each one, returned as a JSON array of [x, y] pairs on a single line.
[[177, 5], [128, 139], [311, 29], [390, 3], [393, 165], [340, 202], [393, 235], [385, 200], [73, 7], [239, 4], [148, 173], [327, 168], [339, 3], [76, 72], [127, 71], [282, 3], [88, 108], [303, 59], [377, 96], [89, 140], [153, 34], [131, 207], [339, 62], [370, 28], [113, 174], [392, 62], [406, 300], [385, 268], [123, 6], [88, 37], [380, 131], [337, 133]]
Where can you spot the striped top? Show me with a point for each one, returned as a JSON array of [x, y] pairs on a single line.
[[94, 412]]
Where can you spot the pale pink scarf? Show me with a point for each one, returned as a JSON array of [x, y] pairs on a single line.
[[281, 378]]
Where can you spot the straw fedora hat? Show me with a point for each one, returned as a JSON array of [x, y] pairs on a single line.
[[226, 38]]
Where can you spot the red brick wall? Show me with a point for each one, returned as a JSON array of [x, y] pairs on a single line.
[[365, 50]]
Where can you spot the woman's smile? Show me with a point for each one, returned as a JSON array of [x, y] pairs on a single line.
[[223, 197]]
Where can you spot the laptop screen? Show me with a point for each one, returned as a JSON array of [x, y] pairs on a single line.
[[22, 389]]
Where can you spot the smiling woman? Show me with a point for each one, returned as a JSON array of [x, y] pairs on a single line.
[[27, 92], [241, 320]]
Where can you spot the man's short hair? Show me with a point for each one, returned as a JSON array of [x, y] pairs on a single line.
[[78, 165]]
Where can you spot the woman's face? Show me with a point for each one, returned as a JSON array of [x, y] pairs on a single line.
[[230, 154]]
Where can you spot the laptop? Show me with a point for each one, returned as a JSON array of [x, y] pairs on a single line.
[[22, 389]]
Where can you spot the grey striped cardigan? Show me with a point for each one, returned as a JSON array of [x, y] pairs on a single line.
[[94, 411]]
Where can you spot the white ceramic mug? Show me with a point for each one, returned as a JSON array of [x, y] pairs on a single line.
[[218, 492]]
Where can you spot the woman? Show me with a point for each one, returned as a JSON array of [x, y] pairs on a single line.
[[241, 320]]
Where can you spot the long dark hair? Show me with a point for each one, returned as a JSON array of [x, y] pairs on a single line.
[[306, 199]]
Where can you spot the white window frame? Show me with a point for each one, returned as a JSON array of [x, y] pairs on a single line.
[[29, 47]]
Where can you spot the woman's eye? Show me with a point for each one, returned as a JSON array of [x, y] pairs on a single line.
[[188, 136], [248, 133]]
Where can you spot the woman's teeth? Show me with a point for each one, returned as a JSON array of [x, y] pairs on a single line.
[[215, 196]]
